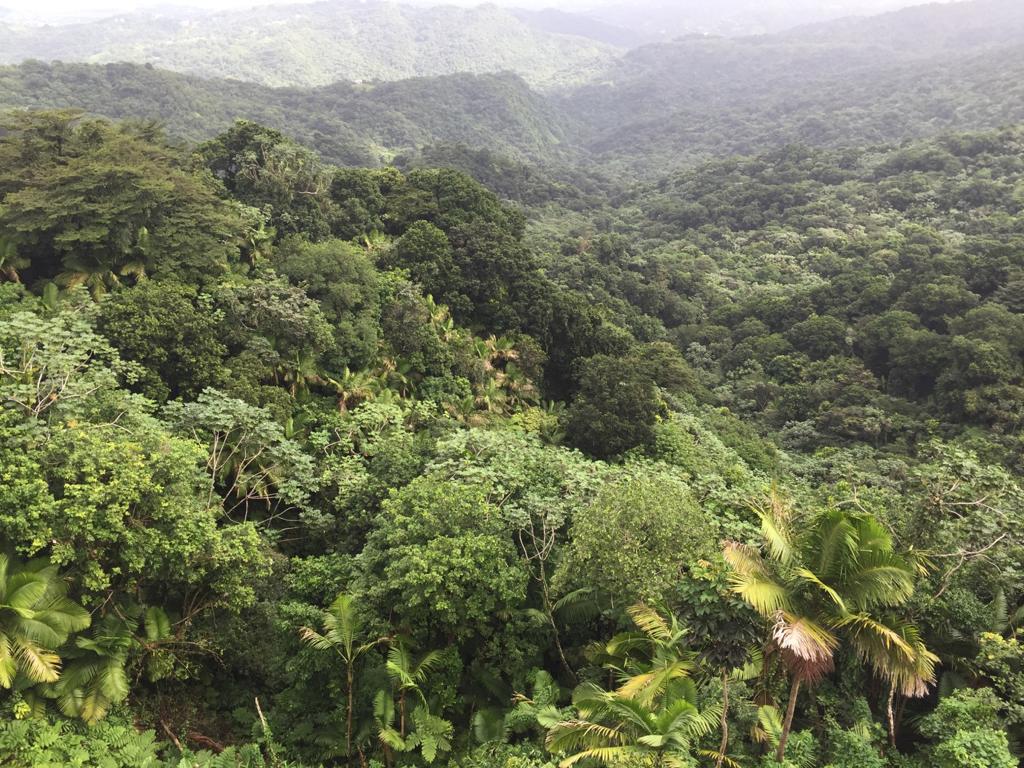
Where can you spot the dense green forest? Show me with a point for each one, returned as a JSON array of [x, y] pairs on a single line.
[[445, 423]]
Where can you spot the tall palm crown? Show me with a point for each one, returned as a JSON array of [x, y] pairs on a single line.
[[826, 577], [342, 633]]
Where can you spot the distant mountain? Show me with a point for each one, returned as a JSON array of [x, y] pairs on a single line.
[[901, 76], [665, 20], [321, 43], [581, 25], [892, 76], [930, 29]]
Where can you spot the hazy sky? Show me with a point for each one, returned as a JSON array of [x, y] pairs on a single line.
[[61, 9]]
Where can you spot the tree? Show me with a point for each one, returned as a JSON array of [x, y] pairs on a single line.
[[342, 632], [56, 364], [636, 540], [442, 564], [36, 619], [425, 252], [408, 674], [95, 678], [88, 202], [174, 334], [265, 169], [819, 337], [831, 573], [967, 732], [616, 408], [341, 277], [254, 471], [615, 730]]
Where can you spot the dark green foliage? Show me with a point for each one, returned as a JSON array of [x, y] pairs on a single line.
[[348, 124], [342, 278], [265, 170], [615, 409], [441, 564], [299, 451], [173, 332], [637, 540], [87, 202]]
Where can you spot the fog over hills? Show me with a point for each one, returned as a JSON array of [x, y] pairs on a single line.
[[320, 43]]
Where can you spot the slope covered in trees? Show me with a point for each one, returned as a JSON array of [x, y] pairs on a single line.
[[903, 75], [355, 125], [912, 74]]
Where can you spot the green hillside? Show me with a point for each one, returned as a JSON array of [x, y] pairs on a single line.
[[905, 75], [352, 124]]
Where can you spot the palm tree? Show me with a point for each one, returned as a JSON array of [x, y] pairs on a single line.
[[10, 261], [97, 276], [615, 730], [650, 658], [824, 576], [520, 390], [652, 718], [342, 629], [353, 388], [36, 618], [376, 243], [409, 673]]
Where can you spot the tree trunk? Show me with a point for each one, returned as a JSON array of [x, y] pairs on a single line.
[[725, 721], [401, 714], [348, 723], [891, 713], [550, 610], [787, 724]]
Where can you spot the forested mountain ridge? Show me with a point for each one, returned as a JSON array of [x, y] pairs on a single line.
[[346, 123], [846, 83], [900, 75], [929, 28], [662, 21], [320, 43]]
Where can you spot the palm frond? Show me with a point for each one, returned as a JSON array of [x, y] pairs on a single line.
[[763, 594], [806, 646], [832, 540], [812, 579], [39, 664], [769, 719], [606, 755], [571, 735], [778, 537], [650, 622]]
